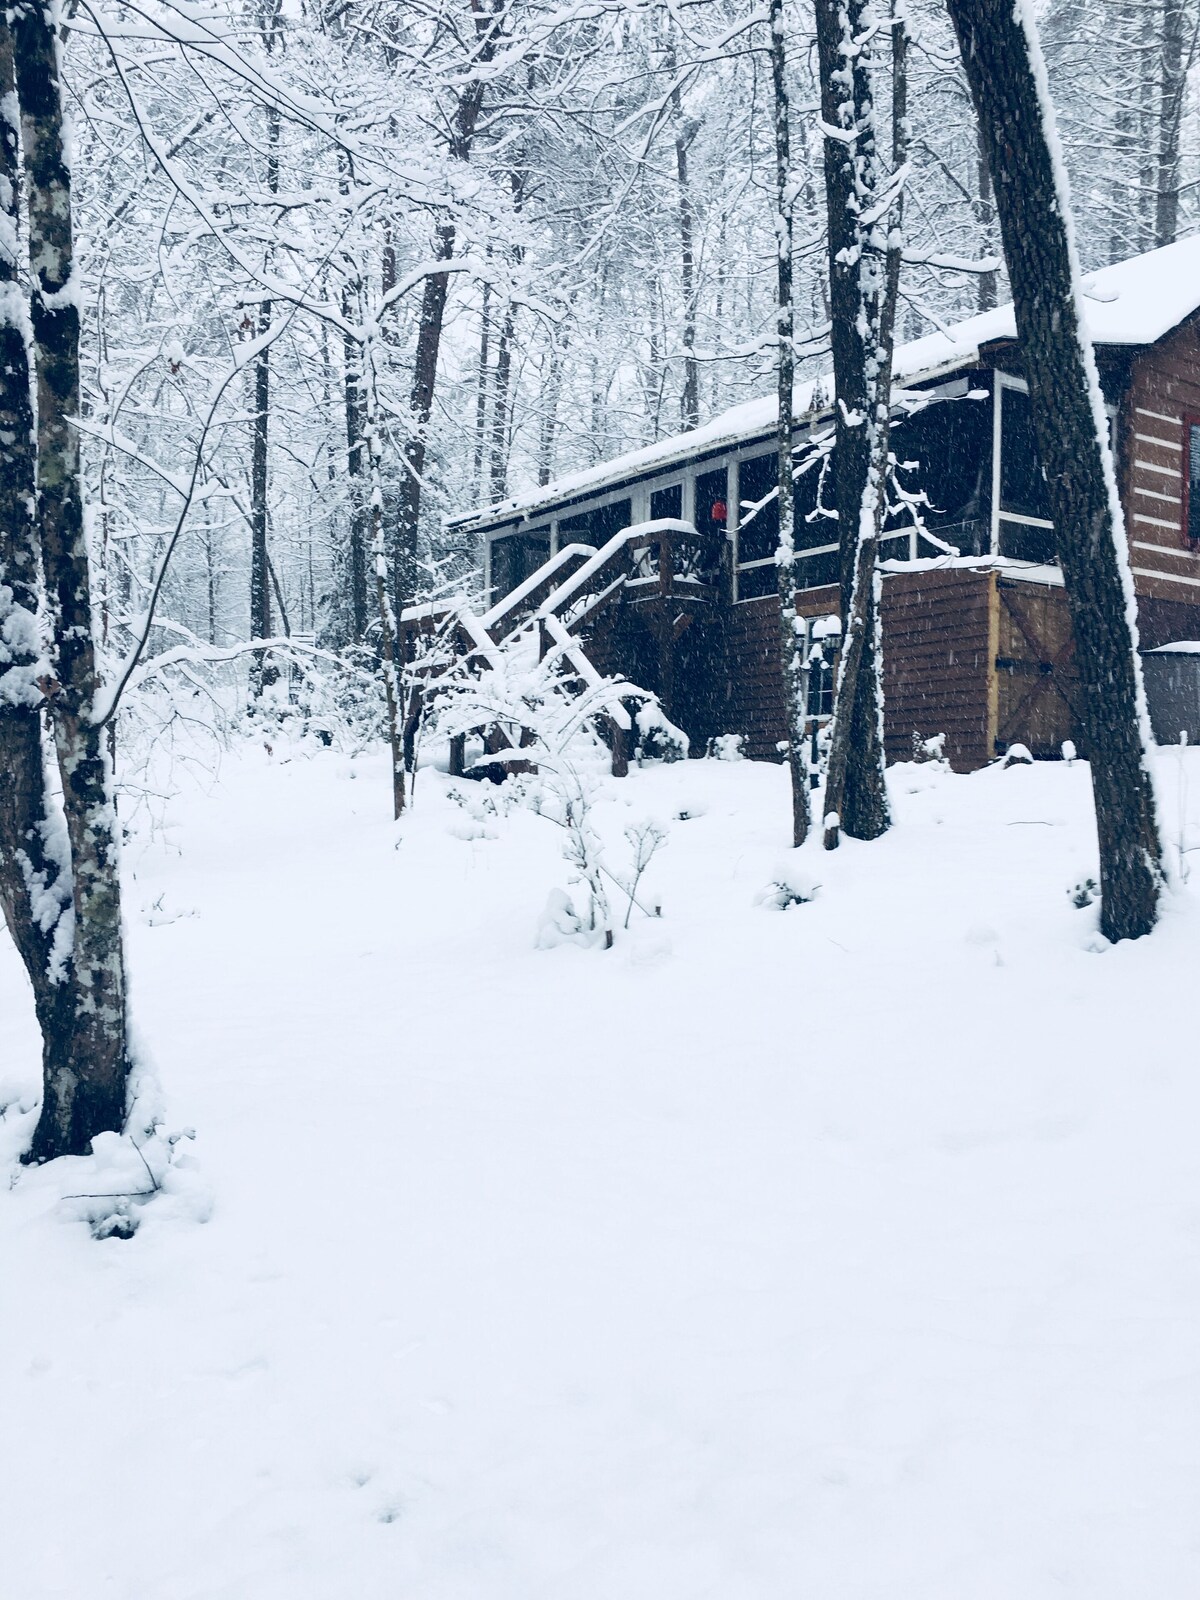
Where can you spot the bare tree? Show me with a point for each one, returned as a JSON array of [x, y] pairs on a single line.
[[863, 260], [86, 1061], [1004, 66], [790, 639]]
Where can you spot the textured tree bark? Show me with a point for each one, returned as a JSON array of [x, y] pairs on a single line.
[[261, 673], [420, 404], [790, 662], [481, 386], [1004, 66], [689, 399], [854, 182], [388, 631], [260, 582], [86, 1095], [548, 426], [356, 553], [985, 211], [1172, 90], [35, 885], [500, 404]]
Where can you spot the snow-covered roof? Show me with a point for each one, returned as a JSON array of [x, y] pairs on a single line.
[[1135, 302]]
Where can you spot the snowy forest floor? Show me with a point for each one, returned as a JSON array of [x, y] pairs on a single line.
[[849, 1252]]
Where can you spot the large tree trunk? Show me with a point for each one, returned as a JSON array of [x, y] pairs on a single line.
[[34, 885], [420, 404], [1004, 65], [86, 1096], [861, 345], [790, 638]]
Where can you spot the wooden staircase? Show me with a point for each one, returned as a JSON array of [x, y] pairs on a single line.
[[618, 611]]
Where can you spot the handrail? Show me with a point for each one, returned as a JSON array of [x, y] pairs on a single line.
[[606, 552], [510, 601]]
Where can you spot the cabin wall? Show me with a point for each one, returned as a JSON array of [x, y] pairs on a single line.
[[1164, 393], [939, 642], [936, 653], [755, 707]]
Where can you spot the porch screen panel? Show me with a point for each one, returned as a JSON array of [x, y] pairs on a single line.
[[945, 452], [595, 527], [575, 530], [816, 533], [666, 503], [1022, 484], [758, 531], [608, 520], [712, 502], [517, 556], [758, 537]]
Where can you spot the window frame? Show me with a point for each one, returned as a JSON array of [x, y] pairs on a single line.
[[1191, 419], [1006, 380]]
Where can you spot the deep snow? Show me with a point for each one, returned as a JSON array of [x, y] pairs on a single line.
[[840, 1252]]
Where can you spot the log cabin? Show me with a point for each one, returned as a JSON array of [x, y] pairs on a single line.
[[662, 561]]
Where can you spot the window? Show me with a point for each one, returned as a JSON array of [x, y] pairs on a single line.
[[1193, 480], [515, 557], [666, 503]]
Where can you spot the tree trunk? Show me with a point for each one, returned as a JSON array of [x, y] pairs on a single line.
[[1172, 90], [85, 1095], [261, 675], [854, 183], [34, 885], [260, 583], [1004, 65], [503, 380], [790, 637], [388, 631], [430, 323], [689, 404], [355, 465], [549, 420], [989, 282], [481, 388], [420, 403]]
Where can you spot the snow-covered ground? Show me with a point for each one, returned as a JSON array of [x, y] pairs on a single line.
[[847, 1252]]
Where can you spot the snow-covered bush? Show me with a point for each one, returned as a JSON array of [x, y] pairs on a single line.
[[793, 885], [727, 747], [658, 738]]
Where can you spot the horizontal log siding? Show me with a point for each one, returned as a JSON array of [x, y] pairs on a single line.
[[936, 667], [756, 699], [1164, 389], [937, 664]]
